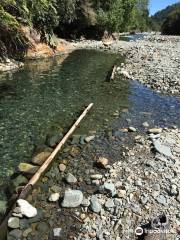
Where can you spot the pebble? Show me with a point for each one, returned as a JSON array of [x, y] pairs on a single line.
[[161, 199], [89, 139], [85, 202], [26, 208], [62, 167], [155, 130], [95, 205], [57, 232], [72, 198], [109, 203], [162, 149], [102, 162], [110, 188], [96, 177], [54, 197], [70, 178], [13, 222], [132, 129]]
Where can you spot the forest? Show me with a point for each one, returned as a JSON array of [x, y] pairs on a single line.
[[68, 19]]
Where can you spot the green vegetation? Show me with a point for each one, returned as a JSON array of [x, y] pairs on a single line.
[[160, 17], [68, 18], [171, 25]]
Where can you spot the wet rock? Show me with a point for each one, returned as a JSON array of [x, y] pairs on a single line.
[[54, 197], [89, 139], [146, 124], [72, 198], [27, 232], [13, 222], [57, 232], [43, 227], [95, 205], [27, 168], [52, 141], [62, 167], [110, 188], [132, 129], [16, 233], [26, 208], [102, 162], [24, 223], [70, 178], [40, 158], [20, 181], [162, 149]]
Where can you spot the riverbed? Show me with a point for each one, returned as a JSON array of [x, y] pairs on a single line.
[[45, 97]]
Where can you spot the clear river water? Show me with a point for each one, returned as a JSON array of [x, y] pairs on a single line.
[[47, 96]]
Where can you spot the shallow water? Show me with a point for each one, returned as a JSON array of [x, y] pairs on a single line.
[[47, 96]]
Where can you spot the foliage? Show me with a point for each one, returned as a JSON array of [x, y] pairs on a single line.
[[171, 25], [158, 19]]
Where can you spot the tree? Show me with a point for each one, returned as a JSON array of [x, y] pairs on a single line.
[[171, 25]]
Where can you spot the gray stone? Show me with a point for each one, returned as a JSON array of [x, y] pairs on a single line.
[[110, 188], [161, 199], [70, 178], [132, 129], [16, 233], [13, 222], [72, 198], [85, 202], [54, 140], [162, 149], [109, 203], [24, 224], [174, 190], [95, 205], [20, 181]]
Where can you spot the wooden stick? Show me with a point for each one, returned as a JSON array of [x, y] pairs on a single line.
[[42, 169], [113, 73]]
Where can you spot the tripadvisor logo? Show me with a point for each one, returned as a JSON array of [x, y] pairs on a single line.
[[140, 231]]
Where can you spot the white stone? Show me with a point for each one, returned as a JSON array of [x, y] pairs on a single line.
[[54, 197], [57, 232], [26, 208]]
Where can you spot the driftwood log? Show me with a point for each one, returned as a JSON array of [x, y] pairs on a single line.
[[40, 172]]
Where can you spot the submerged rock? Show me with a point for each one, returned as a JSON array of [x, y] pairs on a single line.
[[26, 208], [53, 140], [72, 199], [54, 197], [70, 178], [13, 222], [27, 168], [40, 158], [20, 181]]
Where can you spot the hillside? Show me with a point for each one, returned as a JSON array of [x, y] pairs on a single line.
[[159, 18]]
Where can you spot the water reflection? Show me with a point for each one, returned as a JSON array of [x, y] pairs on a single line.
[[49, 94]]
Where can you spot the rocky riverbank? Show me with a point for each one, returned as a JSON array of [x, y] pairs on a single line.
[[112, 193], [154, 60]]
